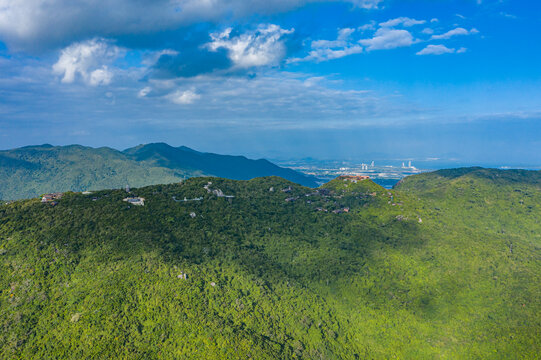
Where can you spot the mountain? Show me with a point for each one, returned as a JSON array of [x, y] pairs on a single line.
[[446, 265], [34, 170], [231, 167]]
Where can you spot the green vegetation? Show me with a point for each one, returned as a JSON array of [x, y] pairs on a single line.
[[34, 170], [447, 265]]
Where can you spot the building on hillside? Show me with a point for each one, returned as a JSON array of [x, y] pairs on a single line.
[[353, 178], [139, 201], [50, 197]]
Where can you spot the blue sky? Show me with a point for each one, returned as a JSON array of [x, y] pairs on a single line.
[[280, 79]]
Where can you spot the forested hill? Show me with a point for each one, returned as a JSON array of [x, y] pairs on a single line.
[[227, 166], [441, 267], [34, 170], [487, 177]]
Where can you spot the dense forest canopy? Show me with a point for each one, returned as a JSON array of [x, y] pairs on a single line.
[[446, 265]]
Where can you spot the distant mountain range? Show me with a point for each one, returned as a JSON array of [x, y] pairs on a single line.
[[33, 170]]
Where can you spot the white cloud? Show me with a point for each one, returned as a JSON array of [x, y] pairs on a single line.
[[324, 54], [341, 40], [370, 26], [323, 50], [454, 32], [510, 16], [183, 97], [439, 50], [144, 91], [262, 47], [404, 21], [32, 24], [428, 31], [386, 38], [366, 4], [434, 20], [100, 77], [151, 57], [88, 60], [278, 99]]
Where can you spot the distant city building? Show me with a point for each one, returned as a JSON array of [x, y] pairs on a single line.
[[127, 188]]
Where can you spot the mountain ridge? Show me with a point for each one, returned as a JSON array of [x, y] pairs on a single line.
[[33, 170]]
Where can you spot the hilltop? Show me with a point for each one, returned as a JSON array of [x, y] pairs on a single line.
[[440, 267], [33, 170]]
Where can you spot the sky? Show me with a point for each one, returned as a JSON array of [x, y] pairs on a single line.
[[282, 79]]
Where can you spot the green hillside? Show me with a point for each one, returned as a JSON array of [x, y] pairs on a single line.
[[445, 266], [33, 170]]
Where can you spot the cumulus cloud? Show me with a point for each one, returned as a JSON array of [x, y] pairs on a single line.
[[323, 50], [88, 60], [370, 26], [262, 47], [183, 97], [341, 39], [439, 50], [100, 76], [33, 24], [403, 21], [144, 91], [386, 38], [324, 54], [367, 4], [458, 31]]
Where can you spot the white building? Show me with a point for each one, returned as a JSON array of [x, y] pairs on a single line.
[[135, 201]]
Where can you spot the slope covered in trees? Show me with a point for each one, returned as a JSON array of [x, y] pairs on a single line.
[[33, 170], [440, 267]]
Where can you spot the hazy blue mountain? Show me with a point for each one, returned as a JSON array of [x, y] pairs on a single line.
[[227, 166], [33, 170]]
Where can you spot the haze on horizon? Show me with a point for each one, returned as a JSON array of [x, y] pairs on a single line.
[[277, 79]]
